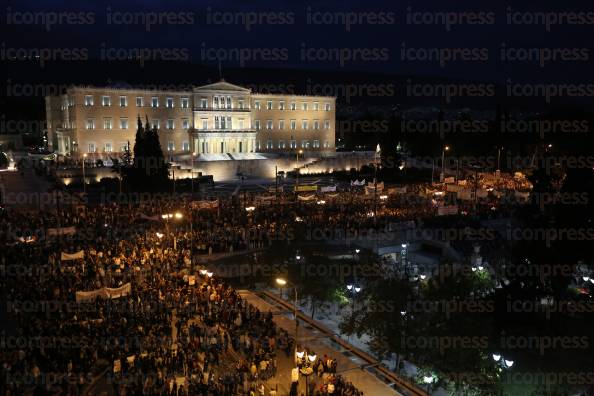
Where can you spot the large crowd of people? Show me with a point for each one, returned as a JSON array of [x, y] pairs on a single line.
[[173, 331]]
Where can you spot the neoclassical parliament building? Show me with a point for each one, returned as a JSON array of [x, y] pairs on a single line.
[[218, 121]]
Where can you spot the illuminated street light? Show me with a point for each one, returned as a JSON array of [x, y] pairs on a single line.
[[178, 215], [159, 235], [281, 281], [321, 202], [209, 274], [350, 287], [586, 278], [203, 272], [509, 363], [312, 358], [250, 208], [299, 354], [357, 289], [496, 357], [357, 251], [297, 257], [383, 197]]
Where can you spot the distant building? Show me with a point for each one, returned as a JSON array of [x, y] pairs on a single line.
[[217, 121]]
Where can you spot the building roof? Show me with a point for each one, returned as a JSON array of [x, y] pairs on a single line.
[[222, 86]]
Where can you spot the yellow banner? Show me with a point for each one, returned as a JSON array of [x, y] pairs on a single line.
[[302, 188]]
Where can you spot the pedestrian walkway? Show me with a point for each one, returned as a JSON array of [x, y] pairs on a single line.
[[348, 367]]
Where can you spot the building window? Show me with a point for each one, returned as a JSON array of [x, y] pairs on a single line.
[[240, 104], [293, 124], [257, 125], [186, 146], [90, 123], [281, 105], [316, 106], [123, 101], [326, 144], [293, 144], [107, 123], [316, 144], [326, 124], [269, 145], [229, 123], [228, 102], [154, 102], [257, 145], [155, 124], [305, 144], [91, 148], [281, 144], [123, 146], [139, 101], [215, 102], [185, 103], [293, 106], [269, 105], [170, 145], [257, 105], [281, 124], [88, 100], [304, 124], [327, 106], [316, 124], [169, 102], [107, 147], [304, 106], [123, 123], [217, 125], [204, 123], [170, 124], [268, 124], [106, 101], [203, 103], [223, 123], [185, 123]]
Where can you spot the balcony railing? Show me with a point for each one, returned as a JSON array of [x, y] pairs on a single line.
[[234, 110]]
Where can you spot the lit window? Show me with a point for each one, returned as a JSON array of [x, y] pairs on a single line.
[[170, 145], [293, 144], [316, 124], [123, 123], [304, 124], [106, 101], [305, 144], [229, 123], [186, 146], [154, 102], [269, 144], [293, 124], [90, 123], [155, 124], [316, 144], [293, 106], [107, 147], [216, 102], [281, 124], [170, 124], [185, 103], [123, 146], [139, 101], [257, 105], [217, 122], [107, 123], [123, 101], [316, 106], [91, 148], [228, 102], [326, 124], [281, 144], [281, 105], [326, 144], [169, 102], [269, 105], [327, 106], [88, 100], [185, 123], [257, 125], [304, 106], [203, 103], [268, 124]]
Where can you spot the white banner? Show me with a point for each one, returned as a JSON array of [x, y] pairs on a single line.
[[204, 204], [306, 197], [447, 210], [449, 180], [61, 231], [72, 256], [357, 182], [104, 292], [152, 218], [328, 189]]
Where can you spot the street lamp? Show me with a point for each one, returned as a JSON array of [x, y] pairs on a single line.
[[178, 215], [83, 172], [445, 148], [283, 282]]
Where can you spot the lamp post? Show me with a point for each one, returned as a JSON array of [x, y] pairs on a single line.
[[445, 148], [83, 172], [283, 282]]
